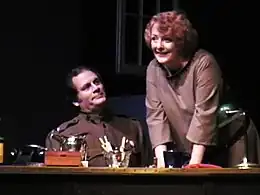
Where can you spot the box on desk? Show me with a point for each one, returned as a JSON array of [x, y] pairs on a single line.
[[62, 158]]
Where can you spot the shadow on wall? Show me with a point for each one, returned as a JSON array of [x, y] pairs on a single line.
[[134, 106]]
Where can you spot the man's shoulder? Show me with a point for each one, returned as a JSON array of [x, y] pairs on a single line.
[[126, 118], [65, 125]]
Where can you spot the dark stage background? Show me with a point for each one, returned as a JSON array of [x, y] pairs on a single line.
[[42, 40]]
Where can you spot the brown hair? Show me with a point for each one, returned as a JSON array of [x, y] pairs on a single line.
[[177, 24]]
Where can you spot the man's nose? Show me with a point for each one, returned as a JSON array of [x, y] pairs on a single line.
[[95, 87]]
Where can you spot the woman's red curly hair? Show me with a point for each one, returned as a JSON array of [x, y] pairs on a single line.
[[177, 24]]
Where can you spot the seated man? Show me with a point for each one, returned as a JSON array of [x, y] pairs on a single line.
[[96, 120]]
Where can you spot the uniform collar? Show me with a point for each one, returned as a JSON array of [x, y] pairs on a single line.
[[103, 116]]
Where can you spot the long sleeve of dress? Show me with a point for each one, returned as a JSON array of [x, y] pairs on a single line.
[[158, 126], [203, 129]]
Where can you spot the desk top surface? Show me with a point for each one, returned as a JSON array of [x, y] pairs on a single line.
[[126, 171]]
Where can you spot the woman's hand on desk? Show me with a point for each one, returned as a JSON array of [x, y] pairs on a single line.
[[159, 155], [197, 154]]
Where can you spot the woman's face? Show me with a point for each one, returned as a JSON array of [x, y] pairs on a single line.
[[163, 46]]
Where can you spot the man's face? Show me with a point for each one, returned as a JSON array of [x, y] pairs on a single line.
[[90, 91], [162, 46]]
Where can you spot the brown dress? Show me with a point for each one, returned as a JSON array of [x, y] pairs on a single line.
[[96, 126], [182, 108]]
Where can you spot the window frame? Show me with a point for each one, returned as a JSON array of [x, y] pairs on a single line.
[[122, 67]]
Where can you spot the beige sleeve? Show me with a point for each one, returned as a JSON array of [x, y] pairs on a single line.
[[157, 122], [202, 129]]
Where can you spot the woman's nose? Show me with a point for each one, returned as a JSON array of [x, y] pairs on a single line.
[[159, 45]]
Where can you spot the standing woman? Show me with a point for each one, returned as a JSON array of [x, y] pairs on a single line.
[[184, 92]]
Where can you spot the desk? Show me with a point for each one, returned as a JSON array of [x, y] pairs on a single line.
[[21, 180]]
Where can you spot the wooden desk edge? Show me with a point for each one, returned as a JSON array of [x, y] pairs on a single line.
[[125, 171]]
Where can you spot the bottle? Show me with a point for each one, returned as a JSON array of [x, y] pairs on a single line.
[[1, 150]]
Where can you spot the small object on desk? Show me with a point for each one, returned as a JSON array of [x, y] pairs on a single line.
[[1, 150], [175, 159], [247, 165], [62, 158], [30, 154], [84, 163], [70, 143], [116, 158], [245, 162], [73, 150], [154, 165]]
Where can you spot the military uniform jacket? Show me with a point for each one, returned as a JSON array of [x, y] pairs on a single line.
[[96, 126]]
